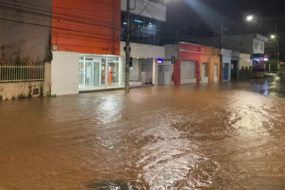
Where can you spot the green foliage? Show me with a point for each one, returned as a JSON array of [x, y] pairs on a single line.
[[21, 61], [48, 56], [3, 60]]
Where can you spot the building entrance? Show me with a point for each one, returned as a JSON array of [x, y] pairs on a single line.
[[98, 72]]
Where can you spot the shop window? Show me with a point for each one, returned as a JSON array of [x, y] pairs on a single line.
[[99, 72]]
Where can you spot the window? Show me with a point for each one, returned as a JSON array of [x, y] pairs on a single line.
[[144, 30], [99, 72]]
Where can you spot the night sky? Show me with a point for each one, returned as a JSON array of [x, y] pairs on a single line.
[[187, 19]]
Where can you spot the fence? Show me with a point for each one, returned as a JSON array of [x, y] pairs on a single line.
[[10, 74]]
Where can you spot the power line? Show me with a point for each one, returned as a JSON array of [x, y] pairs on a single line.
[[53, 17], [58, 15], [53, 27]]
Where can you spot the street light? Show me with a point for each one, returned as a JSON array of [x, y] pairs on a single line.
[[275, 38], [272, 36], [249, 18]]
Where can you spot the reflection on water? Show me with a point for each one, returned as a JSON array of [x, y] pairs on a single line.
[[249, 115], [161, 138]]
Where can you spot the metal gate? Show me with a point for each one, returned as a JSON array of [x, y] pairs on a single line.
[[164, 74], [188, 75], [226, 71]]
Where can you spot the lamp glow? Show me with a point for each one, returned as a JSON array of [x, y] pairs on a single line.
[[249, 18]]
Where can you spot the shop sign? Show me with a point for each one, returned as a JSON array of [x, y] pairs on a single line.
[[159, 60]]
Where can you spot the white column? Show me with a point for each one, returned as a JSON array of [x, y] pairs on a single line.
[[154, 72], [121, 71]]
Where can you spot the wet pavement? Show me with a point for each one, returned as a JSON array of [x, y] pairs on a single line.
[[153, 138], [273, 85]]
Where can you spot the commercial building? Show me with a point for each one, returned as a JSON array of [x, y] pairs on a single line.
[[86, 46], [146, 20], [236, 65], [245, 66], [143, 70], [83, 42], [227, 64], [94, 53], [246, 48], [194, 64]]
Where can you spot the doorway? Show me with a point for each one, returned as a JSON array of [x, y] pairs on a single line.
[[98, 72], [226, 71], [188, 70], [204, 74], [90, 73], [164, 75], [215, 72], [234, 70]]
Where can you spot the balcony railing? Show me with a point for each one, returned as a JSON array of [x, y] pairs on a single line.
[[10, 74]]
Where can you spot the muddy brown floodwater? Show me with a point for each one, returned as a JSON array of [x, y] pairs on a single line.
[[154, 138]]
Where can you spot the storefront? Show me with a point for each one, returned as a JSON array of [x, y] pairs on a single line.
[[195, 64], [235, 65], [141, 71], [227, 59], [97, 72], [245, 66], [259, 61], [187, 66], [144, 69], [210, 64], [86, 57]]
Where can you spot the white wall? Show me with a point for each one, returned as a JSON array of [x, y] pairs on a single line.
[[170, 50], [144, 51], [245, 61], [227, 58], [122, 71], [65, 73], [258, 46], [147, 9]]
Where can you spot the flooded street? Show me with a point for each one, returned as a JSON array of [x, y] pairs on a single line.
[[154, 138]]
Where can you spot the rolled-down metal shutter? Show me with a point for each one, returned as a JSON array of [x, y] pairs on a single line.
[[188, 72]]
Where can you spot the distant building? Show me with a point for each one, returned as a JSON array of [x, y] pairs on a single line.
[[83, 41], [250, 48], [194, 64], [272, 53], [147, 18]]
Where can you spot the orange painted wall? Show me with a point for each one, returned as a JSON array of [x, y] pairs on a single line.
[[86, 26], [210, 56]]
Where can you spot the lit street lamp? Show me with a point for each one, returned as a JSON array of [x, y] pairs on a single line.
[[272, 36], [249, 18]]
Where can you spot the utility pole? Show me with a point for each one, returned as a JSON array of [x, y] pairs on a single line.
[[277, 47], [278, 54], [128, 49], [221, 52]]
